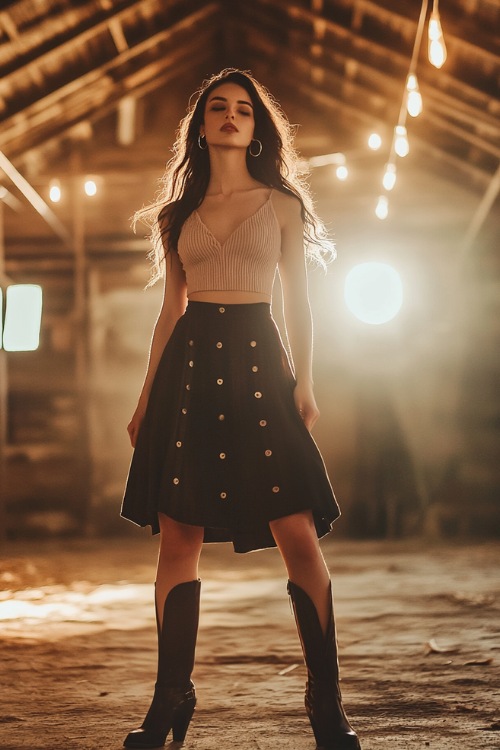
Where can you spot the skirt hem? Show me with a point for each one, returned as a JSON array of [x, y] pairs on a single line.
[[250, 540]]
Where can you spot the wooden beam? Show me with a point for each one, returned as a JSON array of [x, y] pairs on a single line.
[[9, 26], [88, 34], [66, 106], [34, 198]]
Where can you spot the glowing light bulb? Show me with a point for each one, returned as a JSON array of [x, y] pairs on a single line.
[[437, 47], [342, 172], [90, 187], [401, 145], [389, 178], [374, 141], [413, 96], [55, 191], [382, 208]]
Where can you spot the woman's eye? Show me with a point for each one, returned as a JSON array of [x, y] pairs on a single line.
[[217, 109], [244, 112]]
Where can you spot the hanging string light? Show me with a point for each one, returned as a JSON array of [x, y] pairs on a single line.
[[374, 141], [55, 191], [389, 179], [412, 100], [401, 145], [413, 96], [437, 47], [411, 104], [382, 208]]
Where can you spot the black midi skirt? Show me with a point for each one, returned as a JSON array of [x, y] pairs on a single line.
[[222, 444]]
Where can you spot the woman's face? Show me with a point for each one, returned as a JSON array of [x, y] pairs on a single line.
[[229, 120]]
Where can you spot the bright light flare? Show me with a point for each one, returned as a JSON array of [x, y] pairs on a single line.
[[90, 188], [374, 141], [55, 191], [342, 172], [23, 316], [373, 292]]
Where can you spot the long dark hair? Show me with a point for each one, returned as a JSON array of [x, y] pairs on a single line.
[[187, 174]]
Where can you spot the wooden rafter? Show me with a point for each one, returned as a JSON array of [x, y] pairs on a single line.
[[330, 48], [103, 86]]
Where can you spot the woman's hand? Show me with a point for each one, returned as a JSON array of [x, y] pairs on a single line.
[[136, 421], [306, 404]]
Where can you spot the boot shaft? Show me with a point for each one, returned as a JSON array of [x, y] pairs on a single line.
[[177, 635], [320, 649], [323, 699]]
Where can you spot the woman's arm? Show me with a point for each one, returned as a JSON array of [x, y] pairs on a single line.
[[173, 306], [297, 312]]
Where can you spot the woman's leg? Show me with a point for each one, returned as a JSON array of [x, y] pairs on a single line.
[[311, 595], [298, 544], [178, 557], [177, 593]]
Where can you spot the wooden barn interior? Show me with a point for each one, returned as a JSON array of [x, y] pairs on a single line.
[[94, 90]]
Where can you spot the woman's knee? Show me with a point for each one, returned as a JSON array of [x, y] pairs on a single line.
[[179, 539], [296, 538]]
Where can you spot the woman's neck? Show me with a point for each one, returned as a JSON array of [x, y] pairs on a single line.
[[229, 172]]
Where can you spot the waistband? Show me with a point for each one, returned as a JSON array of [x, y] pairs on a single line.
[[216, 309]]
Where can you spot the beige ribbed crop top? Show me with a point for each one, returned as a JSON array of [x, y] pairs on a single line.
[[245, 262]]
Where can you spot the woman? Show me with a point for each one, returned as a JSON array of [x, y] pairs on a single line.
[[223, 450]]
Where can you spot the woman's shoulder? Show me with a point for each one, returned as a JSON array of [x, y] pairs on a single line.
[[288, 207]]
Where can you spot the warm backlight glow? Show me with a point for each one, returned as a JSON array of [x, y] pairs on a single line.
[[23, 316], [342, 172], [373, 292], [90, 188]]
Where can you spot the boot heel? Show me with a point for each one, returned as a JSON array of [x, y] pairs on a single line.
[[182, 720]]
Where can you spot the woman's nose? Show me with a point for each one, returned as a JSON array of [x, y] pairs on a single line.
[[229, 113]]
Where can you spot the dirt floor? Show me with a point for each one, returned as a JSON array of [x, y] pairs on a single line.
[[418, 629]]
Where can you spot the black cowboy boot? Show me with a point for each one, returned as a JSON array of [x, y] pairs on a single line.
[[174, 698], [323, 700]]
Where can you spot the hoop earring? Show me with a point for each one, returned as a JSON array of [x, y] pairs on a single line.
[[203, 148], [256, 140]]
